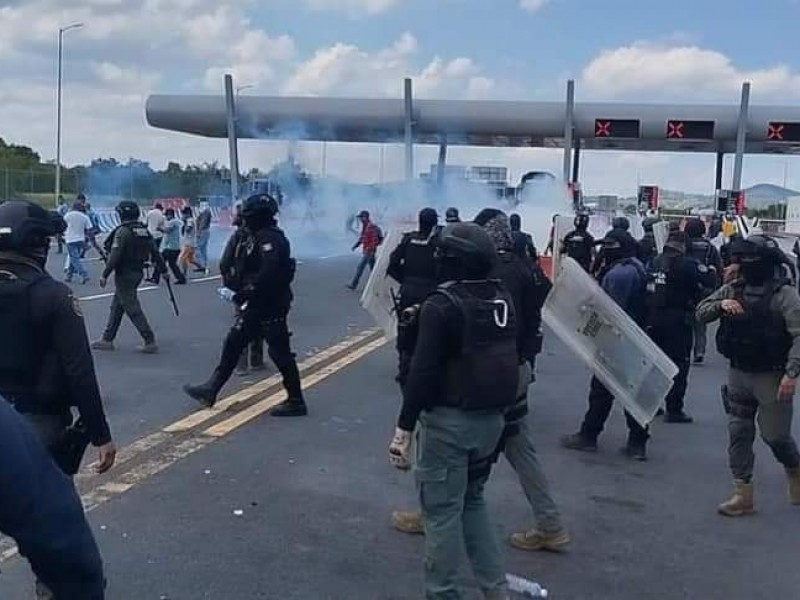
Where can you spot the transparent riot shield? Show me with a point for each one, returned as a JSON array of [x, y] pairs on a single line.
[[660, 233], [609, 342], [379, 293]]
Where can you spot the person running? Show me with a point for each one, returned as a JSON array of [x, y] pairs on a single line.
[[188, 254]]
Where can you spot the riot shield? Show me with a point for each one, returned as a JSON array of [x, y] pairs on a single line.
[[660, 233], [562, 226], [379, 293], [609, 342]]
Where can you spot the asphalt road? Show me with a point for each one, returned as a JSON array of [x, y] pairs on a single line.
[[264, 508]]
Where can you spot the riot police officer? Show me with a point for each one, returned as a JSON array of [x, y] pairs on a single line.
[[706, 254], [463, 377], [451, 215], [647, 245], [621, 223], [229, 264], [264, 297], [523, 242], [47, 369], [129, 247], [675, 284], [624, 279], [411, 264], [759, 334], [578, 244]]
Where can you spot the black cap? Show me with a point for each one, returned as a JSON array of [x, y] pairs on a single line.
[[363, 214]]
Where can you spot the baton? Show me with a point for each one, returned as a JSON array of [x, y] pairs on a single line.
[[172, 297]]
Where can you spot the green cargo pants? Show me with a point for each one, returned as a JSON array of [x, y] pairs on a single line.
[[126, 302], [450, 442], [751, 397]]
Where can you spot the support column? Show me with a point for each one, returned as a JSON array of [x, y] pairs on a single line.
[[409, 128], [440, 165], [741, 137], [576, 163], [569, 128], [233, 148], [720, 163]]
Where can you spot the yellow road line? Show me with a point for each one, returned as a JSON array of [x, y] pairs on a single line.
[[125, 481]]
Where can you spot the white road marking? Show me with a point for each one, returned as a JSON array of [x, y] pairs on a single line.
[[147, 289]]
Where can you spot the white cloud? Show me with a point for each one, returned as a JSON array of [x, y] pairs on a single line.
[[532, 5], [649, 70], [354, 7], [345, 69]]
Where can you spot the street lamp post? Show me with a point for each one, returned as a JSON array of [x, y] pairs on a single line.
[[241, 88], [61, 32]]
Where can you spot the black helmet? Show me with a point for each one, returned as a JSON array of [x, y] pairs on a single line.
[[428, 218], [757, 247], [695, 228], [25, 225], [647, 224], [451, 215], [259, 205], [470, 246], [620, 223], [581, 220], [128, 211]]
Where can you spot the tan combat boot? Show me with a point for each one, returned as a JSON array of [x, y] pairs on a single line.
[[537, 540], [794, 485], [741, 503], [408, 522]]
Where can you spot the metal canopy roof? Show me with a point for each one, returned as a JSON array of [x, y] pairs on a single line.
[[461, 122]]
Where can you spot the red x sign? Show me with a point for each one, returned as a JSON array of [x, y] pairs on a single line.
[[775, 132], [602, 129], [675, 129]]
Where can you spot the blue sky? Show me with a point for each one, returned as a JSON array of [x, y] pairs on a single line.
[[622, 50]]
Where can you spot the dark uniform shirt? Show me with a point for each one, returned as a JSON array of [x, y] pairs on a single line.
[[41, 511], [129, 247], [523, 245], [579, 245], [675, 286], [411, 264], [268, 270], [65, 374]]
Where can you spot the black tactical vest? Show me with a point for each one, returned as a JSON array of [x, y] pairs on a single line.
[[758, 340], [141, 245], [484, 374], [667, 286], [18, 352], [701, 250], [419, 268], [578, 246]]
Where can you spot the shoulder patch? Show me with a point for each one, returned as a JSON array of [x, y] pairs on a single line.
[[76, 306], [267, 247]]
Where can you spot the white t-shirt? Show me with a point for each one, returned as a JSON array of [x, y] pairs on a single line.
[[77, 226], [155, 219]]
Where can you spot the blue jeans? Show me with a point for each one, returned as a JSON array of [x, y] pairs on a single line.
[[202, 246], [75, 249], [367, 259]]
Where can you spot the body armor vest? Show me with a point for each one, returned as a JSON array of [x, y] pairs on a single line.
[[756, 341], [18, 352], [484, 374]]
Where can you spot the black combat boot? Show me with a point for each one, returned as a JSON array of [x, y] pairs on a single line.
[[291, 407], [206, 393]]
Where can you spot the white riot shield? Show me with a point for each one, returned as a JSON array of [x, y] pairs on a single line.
[[637, 231], [609, 342], [661, 233], [377, 298]]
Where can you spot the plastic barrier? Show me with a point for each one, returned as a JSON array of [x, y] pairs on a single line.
[[609, 342]]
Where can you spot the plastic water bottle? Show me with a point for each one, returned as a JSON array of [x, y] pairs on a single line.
[[525, 587], [226, 294]]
